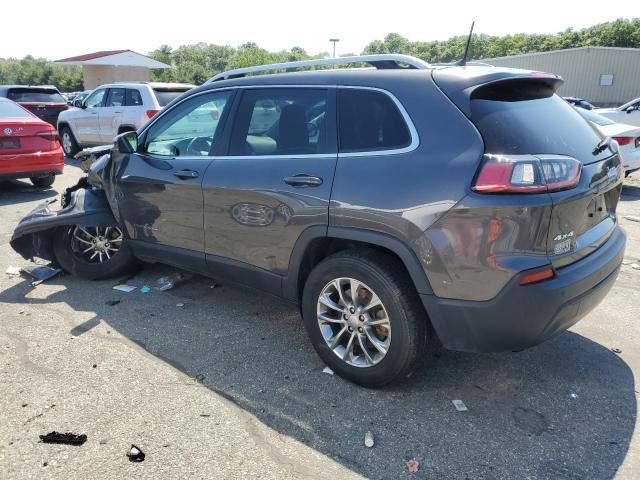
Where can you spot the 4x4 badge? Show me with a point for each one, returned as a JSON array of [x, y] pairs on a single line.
[[563, 236]]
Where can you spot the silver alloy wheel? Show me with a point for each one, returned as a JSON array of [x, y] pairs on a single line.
[[96, 244], [353, 322], [66, 142]]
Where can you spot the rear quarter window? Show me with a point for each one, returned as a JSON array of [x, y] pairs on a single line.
[[167, 96], [369, 120], [34, 95]]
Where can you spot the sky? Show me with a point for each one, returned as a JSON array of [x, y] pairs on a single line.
[[75, 27]]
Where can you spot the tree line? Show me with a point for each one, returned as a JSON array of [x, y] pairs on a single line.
[[197, 63]]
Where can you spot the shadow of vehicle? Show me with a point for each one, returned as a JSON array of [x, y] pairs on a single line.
[[630, 192], [563, 410], [22, 191]]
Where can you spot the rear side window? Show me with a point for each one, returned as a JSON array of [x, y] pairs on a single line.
[[11, 110], [519, 119], [282, 121], [35, 95], [134, 99], [167, 96], [369, 120]]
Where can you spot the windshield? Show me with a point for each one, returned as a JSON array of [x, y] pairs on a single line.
[[629, 104], [35, 95], [594, 117], [11, 110]]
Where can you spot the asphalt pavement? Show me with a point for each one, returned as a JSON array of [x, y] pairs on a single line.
[[215, 382]]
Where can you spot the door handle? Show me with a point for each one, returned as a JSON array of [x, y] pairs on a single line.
[[303, 180], [185, 174]]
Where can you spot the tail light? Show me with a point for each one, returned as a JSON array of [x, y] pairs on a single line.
[[527, 174], [537, 276], [50, 135], [151, 113], [624, 140]]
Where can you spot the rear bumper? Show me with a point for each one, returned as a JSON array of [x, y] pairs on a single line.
[[523, 316], [31, 164]]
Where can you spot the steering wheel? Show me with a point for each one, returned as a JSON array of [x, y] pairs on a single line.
[[197, 145]]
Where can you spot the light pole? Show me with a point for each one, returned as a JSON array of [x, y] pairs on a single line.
[[334, 40]]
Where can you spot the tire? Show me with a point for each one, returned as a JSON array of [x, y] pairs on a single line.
[[67, 253], [68, 141], [43, 182], [406, 330]]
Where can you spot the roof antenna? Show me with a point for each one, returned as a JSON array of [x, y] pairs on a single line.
[[463, 61]]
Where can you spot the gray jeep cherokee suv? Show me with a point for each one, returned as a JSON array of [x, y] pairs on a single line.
[[468, 202]]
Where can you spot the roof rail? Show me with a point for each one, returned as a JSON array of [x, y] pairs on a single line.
[[382, 61]]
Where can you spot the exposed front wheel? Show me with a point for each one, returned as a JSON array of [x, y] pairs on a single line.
[[43, 182], [363, 317], [93, 253]]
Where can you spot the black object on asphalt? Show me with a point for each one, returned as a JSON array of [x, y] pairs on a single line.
[[135, 454], [112, 303], [65, 438]]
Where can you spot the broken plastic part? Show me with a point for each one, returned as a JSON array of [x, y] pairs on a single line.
[[170, 281], [41, 273], [64, 438], [135, 454]]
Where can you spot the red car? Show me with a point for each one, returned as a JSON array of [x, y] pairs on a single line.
[[29, 147]]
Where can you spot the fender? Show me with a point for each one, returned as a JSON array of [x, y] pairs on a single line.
[[403, 251], [33, 235]]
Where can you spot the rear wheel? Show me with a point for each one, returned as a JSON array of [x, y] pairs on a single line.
[[93, 253], [68, 142], [43, 182], [363, 317]]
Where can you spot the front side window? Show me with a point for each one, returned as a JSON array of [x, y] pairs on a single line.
[[281, 121], [369, 120], [95, 99], [190, 128], [115, 97]]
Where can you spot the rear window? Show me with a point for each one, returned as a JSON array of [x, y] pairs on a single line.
[[11, 110], [369, 120], [35, 95], [514, 120], [167, 96]]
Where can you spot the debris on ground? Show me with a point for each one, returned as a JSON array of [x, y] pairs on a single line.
[[327, 370], [413, 466], [41, 273], [24, 404], [64, 438], [123, 287], [368, 440], [145, 289], [633, 218], [170, 281], [573, 395], [180, 305], [635, 266], [13, 271], [627, 261], [112, 303], [616, 350], [135, 454], [460, 406]]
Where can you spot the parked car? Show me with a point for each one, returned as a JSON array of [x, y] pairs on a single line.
[[579, 102], [75, 99], [44, 101], [629, 113], [29, 146], [391, 204], [627, 136], [112, 109]]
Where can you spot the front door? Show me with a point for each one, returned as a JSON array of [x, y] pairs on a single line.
[[87, 124], [160, 188], [274, 182], [110, 114]]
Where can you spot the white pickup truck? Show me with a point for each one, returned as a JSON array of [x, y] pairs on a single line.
[[112, 109]]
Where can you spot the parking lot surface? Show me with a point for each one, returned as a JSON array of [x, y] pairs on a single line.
[[223, 383]]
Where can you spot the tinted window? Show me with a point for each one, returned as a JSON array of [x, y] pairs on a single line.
[[134, 98], [115, 98], [517, 125], [167, 96], [95, 99], [189, 129], [11, 110], [368, 121], [281, 121], [43, 95]]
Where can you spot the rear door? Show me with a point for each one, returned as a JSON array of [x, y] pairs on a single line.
[[110, 114], [160, 188], [274, 182]]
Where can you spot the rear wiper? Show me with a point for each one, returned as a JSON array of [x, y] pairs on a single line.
[[602, 145]]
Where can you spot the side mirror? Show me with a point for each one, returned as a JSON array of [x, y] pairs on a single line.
[[630, 109], [127, 142]]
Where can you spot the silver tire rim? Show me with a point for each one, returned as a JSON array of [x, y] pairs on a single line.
[[96, 244], [353, 322], [66, 142]]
